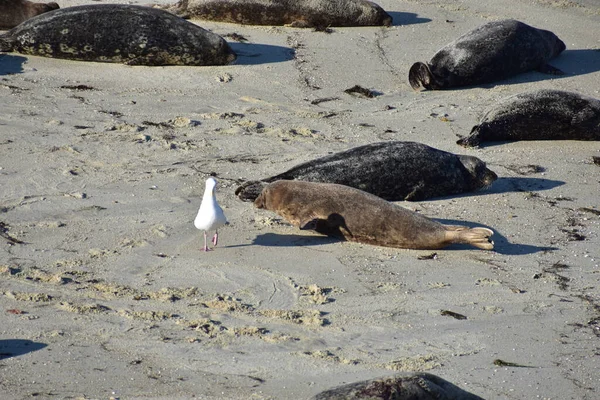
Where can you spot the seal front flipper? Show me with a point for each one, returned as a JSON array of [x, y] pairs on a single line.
[[550, 70]]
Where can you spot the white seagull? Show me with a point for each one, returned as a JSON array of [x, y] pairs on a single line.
[[210, 216]]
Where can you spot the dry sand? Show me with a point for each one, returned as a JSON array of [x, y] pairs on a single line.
[[102, 170]]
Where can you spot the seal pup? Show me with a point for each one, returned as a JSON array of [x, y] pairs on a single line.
[[117, 33], [13, 12], [351, 214], [296, 13], [492, 52], [538, 115], [393, 170], [210, 215], [408, 385]]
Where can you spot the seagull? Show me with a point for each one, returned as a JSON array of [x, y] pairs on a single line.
[[210, 216]]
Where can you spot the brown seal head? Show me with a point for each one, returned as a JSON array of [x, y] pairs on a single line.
[[543, 114], [394, 170], [13, 12], [351, 214], [491, 52], [297, 13]]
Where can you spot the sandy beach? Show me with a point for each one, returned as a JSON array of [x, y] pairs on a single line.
[[106, 294]]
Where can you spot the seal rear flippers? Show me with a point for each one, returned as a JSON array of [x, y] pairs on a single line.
[[420, 75], [478, 237], [6, 45], [472, 140]]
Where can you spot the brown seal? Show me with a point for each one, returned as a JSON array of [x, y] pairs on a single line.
[[297, 13], [13, 12], [351, 214], [408, 385], [491, 52], [544, 114]]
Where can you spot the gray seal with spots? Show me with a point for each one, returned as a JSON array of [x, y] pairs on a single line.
[[491, 52], [13, 12], [117, 33], [394, 170], [404, 386], [351, 214], [297, 13], [538, 115]]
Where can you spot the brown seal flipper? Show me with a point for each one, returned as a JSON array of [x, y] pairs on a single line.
[[354, 215]]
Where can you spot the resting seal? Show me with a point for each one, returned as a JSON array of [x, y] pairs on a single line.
[[492, 52], [13, 12], [409, 385], [351, 214], [297, 13], [117, 33], [392, 170], [539, 115]]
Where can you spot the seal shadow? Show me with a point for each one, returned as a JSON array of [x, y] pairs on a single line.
[[17, 347], [284, 240], [578, 62], [10, 64], [501, 243], [405, 18], [255, 53], [521, 184]]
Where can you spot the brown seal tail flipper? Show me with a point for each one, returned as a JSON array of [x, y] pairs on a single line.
[[478, 237], [420, 75], [250, 190]]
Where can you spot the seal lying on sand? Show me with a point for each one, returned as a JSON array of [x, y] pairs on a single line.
[[117, 33], [539, 115], [491, 52], [297, 13], [392, 170], [13, 12], [409, 385], [351, 214]]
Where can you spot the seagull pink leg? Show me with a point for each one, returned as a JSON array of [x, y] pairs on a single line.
[[215, 238], [205, 246]]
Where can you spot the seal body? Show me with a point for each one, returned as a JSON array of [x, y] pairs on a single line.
[[298, 13], [13, 12], [351, 214], [539, 115], [117, 33], [492, 52], [409, 385], [393, 170]]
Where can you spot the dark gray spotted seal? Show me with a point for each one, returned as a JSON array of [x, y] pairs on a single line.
[[392, 170], [492, 52], [13, 12], [539, 115], [297, 13], [351, 214], [405, 386], [117, 33]]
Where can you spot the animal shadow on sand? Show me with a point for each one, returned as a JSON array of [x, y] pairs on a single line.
[[17, 347], [522, 184], [405, 18], [501, 243], [285, 240], [254, 53], [10, 64]]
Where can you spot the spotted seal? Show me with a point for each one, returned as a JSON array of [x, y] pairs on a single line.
[[492, 52], [13, 12], [543, 114], [408, 385], [394, 170], [117, 33], [297, 13], [351, 214]]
